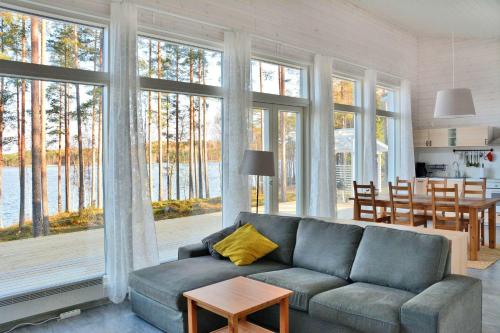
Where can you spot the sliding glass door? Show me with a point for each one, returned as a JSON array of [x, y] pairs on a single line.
[[277, 128]]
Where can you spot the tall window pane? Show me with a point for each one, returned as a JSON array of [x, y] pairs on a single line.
[[383, 132], [51, 182], [183, 156], [170, 61], [288, 162], [345, 153]]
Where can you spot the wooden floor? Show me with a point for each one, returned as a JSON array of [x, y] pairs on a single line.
[[34, 264]]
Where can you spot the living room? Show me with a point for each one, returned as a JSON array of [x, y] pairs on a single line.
[[326, 165]]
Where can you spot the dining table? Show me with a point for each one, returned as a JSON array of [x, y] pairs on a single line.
[[471, 206]]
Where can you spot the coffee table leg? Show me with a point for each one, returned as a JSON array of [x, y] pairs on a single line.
[[492, 223], [192, 317], [233, 324], [284, 315]]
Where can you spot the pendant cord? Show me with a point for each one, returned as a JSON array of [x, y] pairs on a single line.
[[453, 58]]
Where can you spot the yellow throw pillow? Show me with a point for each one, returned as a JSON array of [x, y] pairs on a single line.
[[245, 245]]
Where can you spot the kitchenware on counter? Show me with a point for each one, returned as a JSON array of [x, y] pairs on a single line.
[[490, 157]]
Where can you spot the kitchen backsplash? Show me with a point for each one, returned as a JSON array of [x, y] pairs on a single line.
[[447, 157]]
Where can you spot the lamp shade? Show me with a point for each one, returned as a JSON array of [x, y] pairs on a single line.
[[452, 103], [258, 162]]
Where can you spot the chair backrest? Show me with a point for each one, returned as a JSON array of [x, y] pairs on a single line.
[[405, 182], [365, 197], [437, 183], [445, 207], [401, 203], [474, 189]]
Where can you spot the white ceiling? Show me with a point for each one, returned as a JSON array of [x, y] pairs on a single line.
[[467, 18]]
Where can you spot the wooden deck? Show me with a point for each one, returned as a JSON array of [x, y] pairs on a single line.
[[33, 264]]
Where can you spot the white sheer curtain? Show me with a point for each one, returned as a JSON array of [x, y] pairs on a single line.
[[407, 170], [322, 200], [237, 105], [130, 235], [369, 139]]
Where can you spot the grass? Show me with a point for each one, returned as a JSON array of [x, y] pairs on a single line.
[[92, 218]]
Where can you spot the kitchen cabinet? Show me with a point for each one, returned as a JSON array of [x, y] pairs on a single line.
[[474, 136], [421, 138], [453, 137], [438, 137]]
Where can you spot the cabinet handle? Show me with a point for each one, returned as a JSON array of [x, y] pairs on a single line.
[[430, 143]]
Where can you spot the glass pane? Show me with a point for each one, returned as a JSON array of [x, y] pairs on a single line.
[[51, 184], [59, 43], [345, 153], [287, 162], [257, 142], [384, 98], [382, 134], [165, 60], [344, 91], [183, 156], [276, 79]]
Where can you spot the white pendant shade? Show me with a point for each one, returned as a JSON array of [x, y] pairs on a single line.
[[452, 103]]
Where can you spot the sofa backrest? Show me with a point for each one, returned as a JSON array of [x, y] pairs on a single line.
[[280, 229], [326, 247], [400, 259]]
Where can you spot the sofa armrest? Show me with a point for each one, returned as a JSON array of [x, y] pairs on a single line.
[[451, 305], [191, 251]]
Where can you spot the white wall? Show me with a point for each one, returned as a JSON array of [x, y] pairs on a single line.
[[329, 27], [477, 66]]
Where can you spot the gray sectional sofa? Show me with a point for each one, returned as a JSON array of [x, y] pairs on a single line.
[[345, 278]]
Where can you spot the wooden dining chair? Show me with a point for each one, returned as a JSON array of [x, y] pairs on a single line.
[[445, 208], [474, 189], [364, 196], [402, 211], [439, 183]]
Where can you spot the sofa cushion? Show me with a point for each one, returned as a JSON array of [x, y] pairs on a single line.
[[326, 247], [303, 282], [216, 237], [361, 306], [245, 246], [282, 230], [165, 283], [415, 261]]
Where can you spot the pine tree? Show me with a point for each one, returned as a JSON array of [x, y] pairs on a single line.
[[43, 147]]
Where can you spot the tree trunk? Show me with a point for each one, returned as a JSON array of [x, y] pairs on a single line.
[[59, 150], [177, 171], [43, 139], [99, 141], [200, 174], [36, 165], [159, 127], [205, 152], [167, 162], [22, 145], [150, 143], [67, 149], [2, 86], [191, 129], [81, 169], [92, 153]]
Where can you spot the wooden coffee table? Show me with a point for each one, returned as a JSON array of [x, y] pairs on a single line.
[[234, 299]]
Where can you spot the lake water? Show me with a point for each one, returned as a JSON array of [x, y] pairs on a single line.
[[9, 210]]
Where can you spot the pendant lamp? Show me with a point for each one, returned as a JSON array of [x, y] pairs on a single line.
[[454, 102]]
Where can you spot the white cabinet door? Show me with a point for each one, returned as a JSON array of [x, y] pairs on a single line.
[[438, 137], [421, 138], [473, 136]]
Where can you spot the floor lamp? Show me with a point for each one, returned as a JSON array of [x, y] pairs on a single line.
[[258, 163]]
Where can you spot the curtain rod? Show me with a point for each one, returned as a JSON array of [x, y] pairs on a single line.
[[225, 28]]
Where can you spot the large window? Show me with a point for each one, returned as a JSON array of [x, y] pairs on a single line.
[[50, 153], [346, 100], [385, 133], [183, 141]]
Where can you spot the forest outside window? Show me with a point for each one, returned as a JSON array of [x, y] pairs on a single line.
[[50, 154], [277, 79], [183, 133]]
